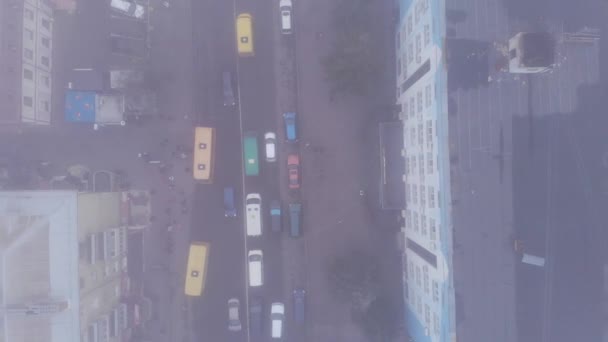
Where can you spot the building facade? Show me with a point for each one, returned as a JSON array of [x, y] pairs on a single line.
[[421, 87], [26, 31], [64, 255]]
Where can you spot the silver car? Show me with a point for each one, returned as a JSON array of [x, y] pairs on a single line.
[[234, 322]]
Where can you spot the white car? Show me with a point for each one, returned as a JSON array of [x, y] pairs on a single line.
[[129, 8], [234, 322], [270, 142], [277, 316], [286, 21], [256, 269]]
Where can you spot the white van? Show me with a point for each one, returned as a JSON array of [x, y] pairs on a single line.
[[253, 204], [286, 16], [277, 317], [129, 8], [256, 270]]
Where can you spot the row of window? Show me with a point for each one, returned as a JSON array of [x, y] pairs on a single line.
[[411, 195], [29, 15], [416, 104], [426, 226], [413, 273], [408, 56], [417, 304], [29, 55], [46, 41], [411, 163]]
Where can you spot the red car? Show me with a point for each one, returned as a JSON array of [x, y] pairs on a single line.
[[293, 167]]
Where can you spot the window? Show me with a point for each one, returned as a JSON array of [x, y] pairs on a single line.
[[425, 276], [416, 221], [418, 47], [423, 229], [408, 219], [427, 315], [413, 138], [44, 60], [429, 162], [28, 53], [427, 95], [435, 324], [413, 163], [419, 101], [29, 14], [421, 165], [405, 109], [429, 133], [45, 105], [423, 204], [435, 291], [398, 66], [412, 106], [427, 35], [418, 282], [408, 193], [28, 101], [29, 34], [28, 74], [407, 164], [431, 197], [419, 306], [420, 135], [432, 229], [46, 42], [410, 270], [46, 23], [410, 53]]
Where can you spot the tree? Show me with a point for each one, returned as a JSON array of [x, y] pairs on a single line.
[[352, 66], [381, 320], [355, 278]]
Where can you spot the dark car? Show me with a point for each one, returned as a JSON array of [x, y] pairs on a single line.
[[255, 316], [227, 89], [275, 216], [293, 168], [295, 210], [299, 305], [229, 208]]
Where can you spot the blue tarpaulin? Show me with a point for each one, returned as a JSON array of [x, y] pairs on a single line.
[[80, 106]]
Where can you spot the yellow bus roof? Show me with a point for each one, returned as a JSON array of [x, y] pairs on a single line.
[[197, 268], [202, 168], [244, 34]]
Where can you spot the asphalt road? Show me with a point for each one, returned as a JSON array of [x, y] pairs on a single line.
[[214, 37]]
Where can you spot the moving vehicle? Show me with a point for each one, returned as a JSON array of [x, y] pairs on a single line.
[[299, 305], [286, 18], [290, 126], [293, 168], [250, 152], [196, 269], [229, 208], [202, 168], [270, 142], [234, 322], [256, 309], [277, 316], [244, 35], [256, 270], [253, 206], [275, 216], [129, 8], [295, 210], [227, 89]]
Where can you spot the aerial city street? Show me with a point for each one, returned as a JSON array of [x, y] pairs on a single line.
[[306, 171]]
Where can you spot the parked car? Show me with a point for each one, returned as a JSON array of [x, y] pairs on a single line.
[[275, 216], [290, 126], [256, 269], [277, 316], [270, 142], [256, 308], [299, 305], [229, 208], [129, 8], [286, 18], [293, 168], [227, 89], [234, 322], [295, 211]]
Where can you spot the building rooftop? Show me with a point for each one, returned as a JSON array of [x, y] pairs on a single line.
[[39, 278]]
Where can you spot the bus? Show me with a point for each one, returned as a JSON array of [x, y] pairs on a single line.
[[244, 35], [197, 268], [250, 153], [204, 138]]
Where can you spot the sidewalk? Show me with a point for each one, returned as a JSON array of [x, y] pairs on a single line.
[[339, 157]]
